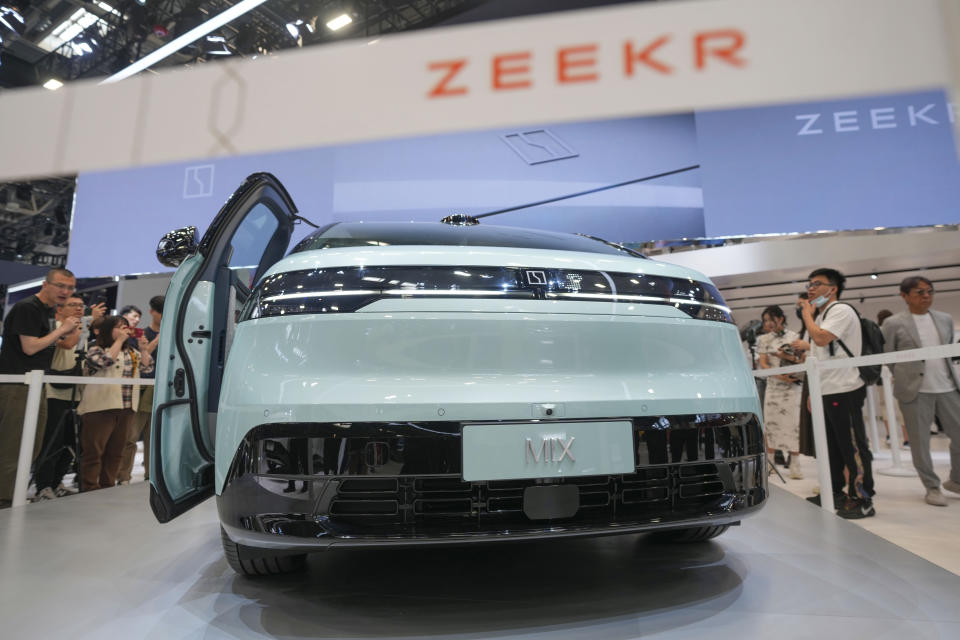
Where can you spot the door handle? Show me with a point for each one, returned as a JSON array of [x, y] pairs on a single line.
[[200, 334]]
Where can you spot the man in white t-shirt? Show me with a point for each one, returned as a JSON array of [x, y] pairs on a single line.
[[829, 323], [925, 388]]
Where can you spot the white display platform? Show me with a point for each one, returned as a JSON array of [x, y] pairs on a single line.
[[99, 566]]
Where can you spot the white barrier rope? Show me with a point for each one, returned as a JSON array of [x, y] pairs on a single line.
[[35, 381], [81, 380], [908, 355]]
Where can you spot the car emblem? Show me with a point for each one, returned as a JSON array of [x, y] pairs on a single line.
[[536, 277]]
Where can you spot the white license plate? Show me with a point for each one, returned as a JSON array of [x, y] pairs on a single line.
[[506, 451]]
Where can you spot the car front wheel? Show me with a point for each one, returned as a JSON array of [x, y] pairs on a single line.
[[249, 562]]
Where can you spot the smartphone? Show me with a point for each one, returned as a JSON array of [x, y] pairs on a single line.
[[137, 333]]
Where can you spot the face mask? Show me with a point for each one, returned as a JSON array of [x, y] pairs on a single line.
[[822, 300]]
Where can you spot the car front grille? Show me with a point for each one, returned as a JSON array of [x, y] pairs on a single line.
[[411, 500]]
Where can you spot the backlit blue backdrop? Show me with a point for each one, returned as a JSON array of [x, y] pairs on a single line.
[[850, 164]]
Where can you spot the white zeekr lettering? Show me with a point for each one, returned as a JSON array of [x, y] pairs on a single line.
[[806, 129], [920, 115]]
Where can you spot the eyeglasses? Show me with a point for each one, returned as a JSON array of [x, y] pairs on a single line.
[[813, 284], [69, 288], [923, 292]]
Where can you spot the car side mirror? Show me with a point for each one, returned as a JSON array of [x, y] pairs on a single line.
[[176, 246]]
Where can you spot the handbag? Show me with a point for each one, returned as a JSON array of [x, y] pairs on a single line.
[[61, 358]]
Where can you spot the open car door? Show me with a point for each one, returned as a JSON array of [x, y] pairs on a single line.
[[213, 279]]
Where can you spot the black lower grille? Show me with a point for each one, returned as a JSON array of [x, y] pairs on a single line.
[[421, 500]]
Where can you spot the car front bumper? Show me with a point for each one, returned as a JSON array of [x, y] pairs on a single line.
[[311, 487]]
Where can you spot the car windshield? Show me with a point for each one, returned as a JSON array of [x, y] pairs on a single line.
[[365, 234]]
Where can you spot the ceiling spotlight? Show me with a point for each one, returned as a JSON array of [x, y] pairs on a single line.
[[874, 276], [11, 19], [53, 84], [339, 22], [217, 46]]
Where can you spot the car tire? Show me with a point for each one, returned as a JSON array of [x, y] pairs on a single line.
[[246, 563], [691, 534]]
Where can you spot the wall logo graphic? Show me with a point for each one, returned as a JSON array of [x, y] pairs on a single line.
[[198, 181], [538, 146]]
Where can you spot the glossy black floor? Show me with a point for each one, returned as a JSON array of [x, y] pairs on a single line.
[[98, 565]]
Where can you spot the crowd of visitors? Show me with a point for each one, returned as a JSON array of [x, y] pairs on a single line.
[[925, 390], [93, 429]]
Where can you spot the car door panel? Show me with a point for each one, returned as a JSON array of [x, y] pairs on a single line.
[[247, 236]]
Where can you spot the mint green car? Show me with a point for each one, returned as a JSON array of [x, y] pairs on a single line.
[[392, 384]]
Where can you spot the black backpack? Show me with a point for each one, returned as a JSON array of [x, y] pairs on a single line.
[[871, 341]]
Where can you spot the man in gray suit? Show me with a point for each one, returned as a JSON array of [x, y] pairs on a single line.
[[925, 388]]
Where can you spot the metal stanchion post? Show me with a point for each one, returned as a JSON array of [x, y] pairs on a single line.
[[872, 418], [896, 468], [819, 434], [28, 436]]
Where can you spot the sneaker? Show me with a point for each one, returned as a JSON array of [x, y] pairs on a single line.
[[123, 482], [44, 494], [795, 472], [951, 486], [838, 499], [62, 491], [935, 498], [857, 509]]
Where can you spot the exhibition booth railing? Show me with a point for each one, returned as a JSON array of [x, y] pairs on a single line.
[[812, 367], [35, 381]]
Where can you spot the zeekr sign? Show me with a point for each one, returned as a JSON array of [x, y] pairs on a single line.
[[610, 62], [577, 64]]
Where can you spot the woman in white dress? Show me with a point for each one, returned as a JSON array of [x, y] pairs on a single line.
[[781, 402]]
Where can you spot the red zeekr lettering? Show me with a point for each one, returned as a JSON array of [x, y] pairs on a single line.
[[501, 69], [579, 63], [569, 57], [644, 56], [733, 42], [453, 67]]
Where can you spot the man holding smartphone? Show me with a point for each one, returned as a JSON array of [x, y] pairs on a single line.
[[30, 335], [843, 391]]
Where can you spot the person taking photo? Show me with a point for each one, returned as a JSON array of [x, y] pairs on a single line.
[[108, 410]]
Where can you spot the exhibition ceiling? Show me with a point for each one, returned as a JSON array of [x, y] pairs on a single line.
[[66, 40]]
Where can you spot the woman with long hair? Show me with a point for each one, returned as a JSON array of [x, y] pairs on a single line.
[[108, 410], [781, 402]]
